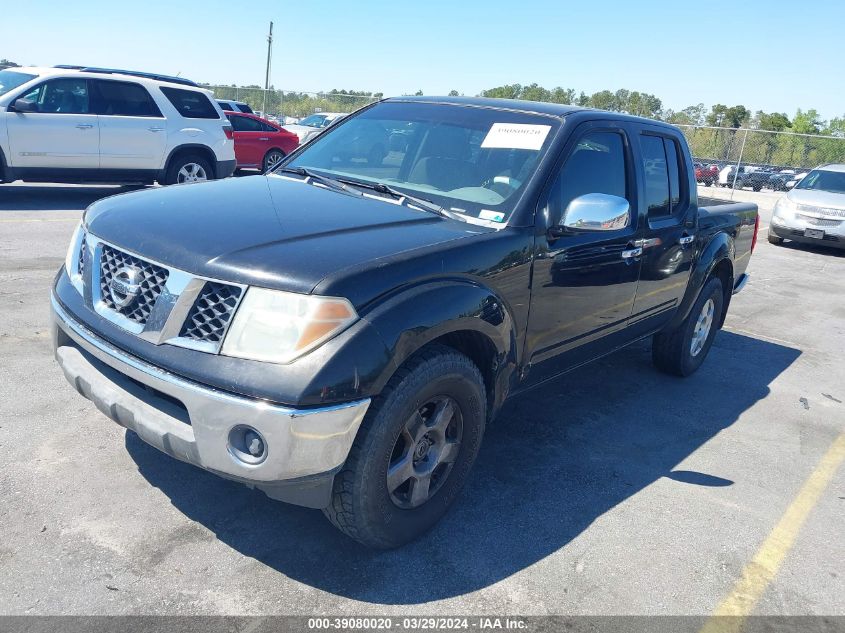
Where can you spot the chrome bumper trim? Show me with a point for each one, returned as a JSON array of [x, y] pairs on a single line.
[[300, 442]]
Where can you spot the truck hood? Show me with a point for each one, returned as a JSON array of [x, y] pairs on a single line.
[[270, 231]]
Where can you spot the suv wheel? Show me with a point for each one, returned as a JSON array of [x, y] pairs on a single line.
[[682, 351], [187, 169], [413, 451], [271, 160]]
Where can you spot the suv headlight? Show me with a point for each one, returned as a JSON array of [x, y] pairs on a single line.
[[278, 327], [784, 209], [72, 266]]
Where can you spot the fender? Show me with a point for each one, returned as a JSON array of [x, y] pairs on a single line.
[[411, 319], [719, 248]]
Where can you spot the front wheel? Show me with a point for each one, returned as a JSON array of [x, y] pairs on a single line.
[[682, 351], [413, 451]]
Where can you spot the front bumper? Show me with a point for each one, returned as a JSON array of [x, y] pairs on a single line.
[[193, 422], [793, 229]]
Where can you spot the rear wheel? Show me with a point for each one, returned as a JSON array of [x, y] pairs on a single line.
[[272, 160], [187, 169], [413, 451], [682, 351]]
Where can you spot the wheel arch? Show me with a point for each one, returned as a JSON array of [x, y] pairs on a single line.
[[716, 259], [189, 148], [466, 317]]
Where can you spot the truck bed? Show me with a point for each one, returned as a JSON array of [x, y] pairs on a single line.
[[736, 219]]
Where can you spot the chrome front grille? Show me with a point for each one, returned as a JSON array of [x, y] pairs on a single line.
[[811, 219], [817, 211], [152, 279], [211, 313], [154, 301]]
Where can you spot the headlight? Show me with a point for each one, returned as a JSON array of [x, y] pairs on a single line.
[[278, 327], [72, 258], [784, 209]]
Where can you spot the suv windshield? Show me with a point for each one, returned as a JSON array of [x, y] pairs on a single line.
[[823, 180], [471, 160], [9, 80]]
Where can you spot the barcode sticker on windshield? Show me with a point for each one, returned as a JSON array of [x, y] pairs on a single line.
[[515, 136]]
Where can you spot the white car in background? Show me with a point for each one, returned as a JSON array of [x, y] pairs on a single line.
[[814, 211], [312, 125], [99, 125]]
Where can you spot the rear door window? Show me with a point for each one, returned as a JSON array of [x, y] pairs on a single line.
[[662, 168], [190, 103], [122, 98], [245, 124]]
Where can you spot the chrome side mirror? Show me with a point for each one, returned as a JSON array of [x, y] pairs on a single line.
[[597, 212]]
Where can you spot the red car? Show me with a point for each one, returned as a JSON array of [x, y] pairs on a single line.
[[704, 174], [259, 144]]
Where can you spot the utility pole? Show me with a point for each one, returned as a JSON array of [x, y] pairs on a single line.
[[267, 75]]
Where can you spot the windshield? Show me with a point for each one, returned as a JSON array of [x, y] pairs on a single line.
[[9, 80], [315, 120], [470, 160], [823, 180]]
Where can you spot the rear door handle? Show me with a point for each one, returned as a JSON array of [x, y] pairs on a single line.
[[263, 138], [685, 240], [84, 126], [155, 129], [632, 253]]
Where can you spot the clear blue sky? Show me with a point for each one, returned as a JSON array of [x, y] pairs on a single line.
[[773, 55]]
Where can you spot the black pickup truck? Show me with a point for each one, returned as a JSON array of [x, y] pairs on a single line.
[[338, 333]]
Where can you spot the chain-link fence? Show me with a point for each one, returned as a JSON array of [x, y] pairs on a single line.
[[758, 159], [290, 103]]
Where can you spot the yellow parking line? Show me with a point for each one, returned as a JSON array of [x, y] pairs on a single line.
[[765, 565], [4, 220]]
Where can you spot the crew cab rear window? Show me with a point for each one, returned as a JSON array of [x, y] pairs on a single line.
[[190, 103], [662, 176], [121, 98]]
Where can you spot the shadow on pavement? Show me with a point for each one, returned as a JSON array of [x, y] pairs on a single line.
[[55, 197], [556, 459]]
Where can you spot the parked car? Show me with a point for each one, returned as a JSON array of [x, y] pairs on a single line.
[[234, 106], [797, 178], [706, 174], [756, 179], [338, 335], [258, 143], [74, 124], [813, 212], [777, 181], [312, 125]]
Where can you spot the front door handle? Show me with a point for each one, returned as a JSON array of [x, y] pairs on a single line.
[[155, 129], [686, 240], [632, 253], [84, 126]]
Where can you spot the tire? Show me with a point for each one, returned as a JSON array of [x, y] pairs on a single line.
[[757, 188], [673, 352], [271, 159], [774, 239], [363, 506], [191, 164]]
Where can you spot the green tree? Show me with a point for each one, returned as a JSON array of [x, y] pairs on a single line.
[[453, 93]]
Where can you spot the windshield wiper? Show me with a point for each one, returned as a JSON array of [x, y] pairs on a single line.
[[422, 203], [325, 180]]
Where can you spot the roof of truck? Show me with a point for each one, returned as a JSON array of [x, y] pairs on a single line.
[[558, 110]]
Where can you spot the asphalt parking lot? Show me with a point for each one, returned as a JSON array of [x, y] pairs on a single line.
[[615, 490]]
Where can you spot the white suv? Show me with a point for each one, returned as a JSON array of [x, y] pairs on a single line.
[[74, 124]]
